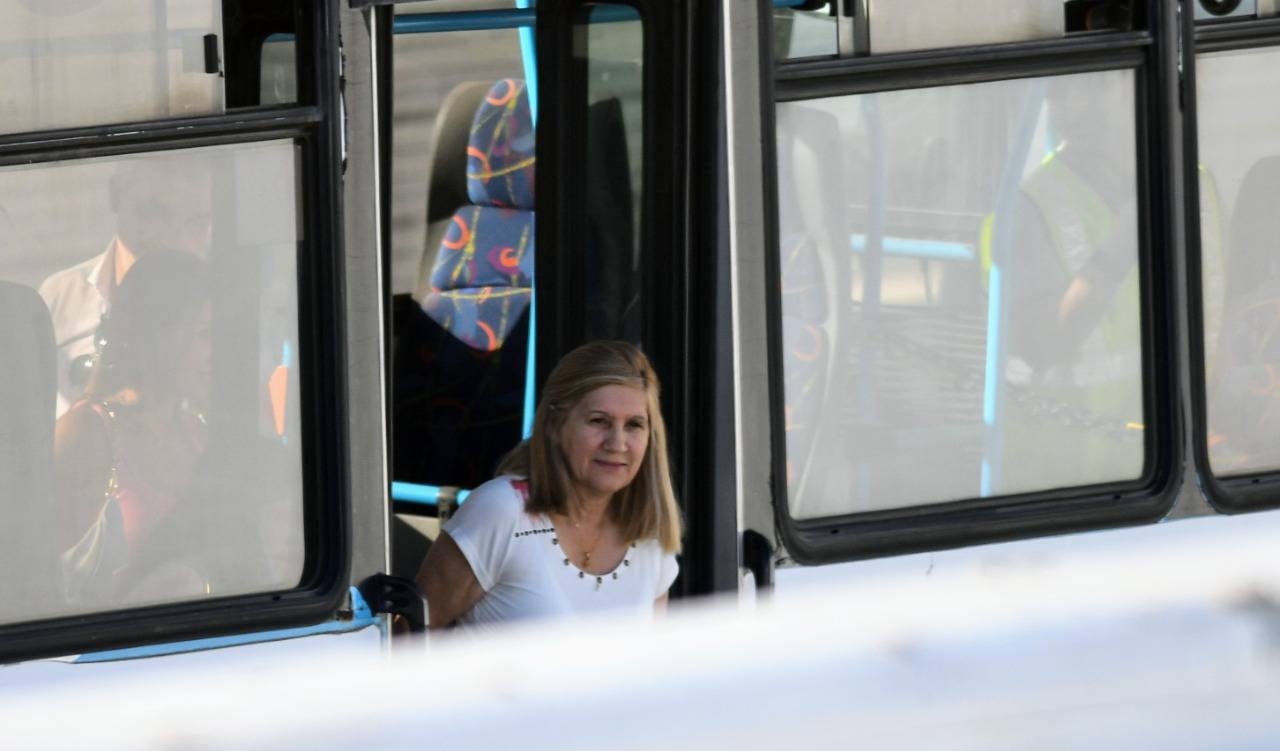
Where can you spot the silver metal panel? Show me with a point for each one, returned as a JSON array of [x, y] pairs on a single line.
[[902, 25], [747, 267], [365, 336]]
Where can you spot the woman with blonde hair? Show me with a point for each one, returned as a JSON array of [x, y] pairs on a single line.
[[582, 516]]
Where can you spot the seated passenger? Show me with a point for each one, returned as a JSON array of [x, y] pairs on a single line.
[[581, 517], [126, 452]]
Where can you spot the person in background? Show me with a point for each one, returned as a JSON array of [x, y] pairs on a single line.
[[582, 516], [161, 204]]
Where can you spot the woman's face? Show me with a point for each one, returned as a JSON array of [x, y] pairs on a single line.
[[604, 438]]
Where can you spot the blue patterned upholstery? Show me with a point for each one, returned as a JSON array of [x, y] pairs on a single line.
[[500, 157], [482, 280]]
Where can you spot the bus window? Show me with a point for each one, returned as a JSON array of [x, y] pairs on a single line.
[[959, 291], [462, 252], [465, 108], [82, 63], [170, 281], [1240, 275], [278, 66], [804, 31]]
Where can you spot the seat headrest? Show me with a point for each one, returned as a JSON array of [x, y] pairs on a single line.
[[500, 155], [447, 185]]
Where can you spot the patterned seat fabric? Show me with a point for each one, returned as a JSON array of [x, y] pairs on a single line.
[[483, 276]]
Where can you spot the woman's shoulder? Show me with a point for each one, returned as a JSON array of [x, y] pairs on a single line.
[[502, 496], [649, 548], [502, 488]]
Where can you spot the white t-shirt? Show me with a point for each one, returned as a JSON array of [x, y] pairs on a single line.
[[516, 557]]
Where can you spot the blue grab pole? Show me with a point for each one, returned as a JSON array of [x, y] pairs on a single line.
[[997, 302]]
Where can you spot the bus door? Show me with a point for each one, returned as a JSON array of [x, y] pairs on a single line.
[[955, 301], [191, 342]]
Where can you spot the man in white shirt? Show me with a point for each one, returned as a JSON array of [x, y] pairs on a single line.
[[160, 203]]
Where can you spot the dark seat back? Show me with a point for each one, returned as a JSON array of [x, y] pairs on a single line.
[[29, 574]]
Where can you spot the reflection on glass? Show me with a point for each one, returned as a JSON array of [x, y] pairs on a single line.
[[1240, 266], [960, 295], [613, 58], [804, 33], [278, 71], [175, 466], [87, 62]]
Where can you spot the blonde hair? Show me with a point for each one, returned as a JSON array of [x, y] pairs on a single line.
[[645, 509]]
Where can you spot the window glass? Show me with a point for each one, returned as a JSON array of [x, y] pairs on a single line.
[[959, 292], [439, 80], [614, 61], [804, 33], [86, 62], [460, 401], [279, 70], [905, 25], [1239, 259], [463, 337], [155, 377]]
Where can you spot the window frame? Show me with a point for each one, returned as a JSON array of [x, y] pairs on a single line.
[[1151, 54], [1250, 491], [314, 126]]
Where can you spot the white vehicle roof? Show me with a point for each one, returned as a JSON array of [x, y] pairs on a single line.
[[1165, 638]]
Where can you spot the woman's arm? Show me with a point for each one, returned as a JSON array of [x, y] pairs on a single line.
[[660, 604], [447, 581]]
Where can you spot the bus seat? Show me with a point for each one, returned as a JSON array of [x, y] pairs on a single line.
[[482, 279], [461, 363], [447, 183], [27, 389]]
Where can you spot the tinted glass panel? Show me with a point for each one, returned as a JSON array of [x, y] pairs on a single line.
[[152, 403], [85, 62], [278, 83], [959, 292], [1240, 256], [614, 142]]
